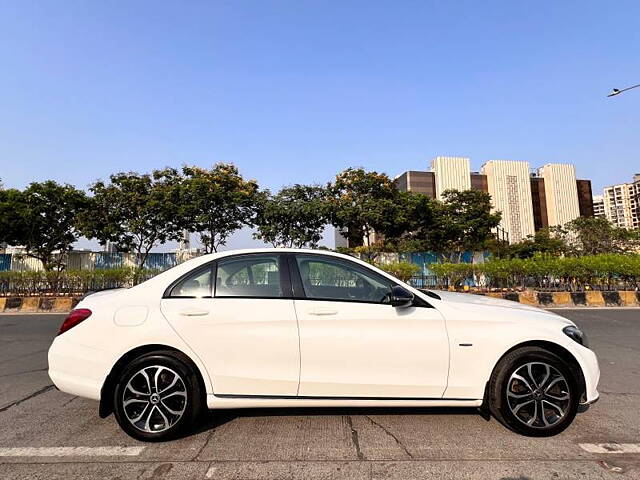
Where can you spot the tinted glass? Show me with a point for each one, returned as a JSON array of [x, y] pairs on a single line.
[[196, 285], [249, 276], [331, 279]]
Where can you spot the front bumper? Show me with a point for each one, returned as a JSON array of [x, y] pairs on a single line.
[[590, 370], [583, 407]]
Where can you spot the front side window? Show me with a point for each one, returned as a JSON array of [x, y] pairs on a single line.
[[329, 279], [196, 285], [249, 276]]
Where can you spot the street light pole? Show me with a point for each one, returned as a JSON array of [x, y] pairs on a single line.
[[615, 91]]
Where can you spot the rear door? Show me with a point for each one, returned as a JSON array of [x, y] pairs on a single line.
[[238, 316]]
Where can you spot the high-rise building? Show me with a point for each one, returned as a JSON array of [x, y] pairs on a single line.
[[622, 204], [561, 192], [184, 245], [109, 247], [479, 182], [585, 198], [598, 206], [539, 203], [451, 173], [417, 182], [509, 185], [425, 182], [340, 238], [528, 202]]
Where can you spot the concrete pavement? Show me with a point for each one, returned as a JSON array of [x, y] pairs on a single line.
[[42, 430]]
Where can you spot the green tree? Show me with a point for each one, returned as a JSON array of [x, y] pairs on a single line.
[[596, 235], [44, 218], [362, 203], [424, 228], [544, 241], [11, 225], [464, 222], [216, 203], [294, 217], [136, 212]]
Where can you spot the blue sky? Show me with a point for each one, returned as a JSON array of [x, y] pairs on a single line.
[[294, 91]]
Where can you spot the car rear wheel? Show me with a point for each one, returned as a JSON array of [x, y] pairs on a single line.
[[534, 392], [158, 397]]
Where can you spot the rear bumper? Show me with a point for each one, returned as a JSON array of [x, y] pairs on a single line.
[[73, 369]]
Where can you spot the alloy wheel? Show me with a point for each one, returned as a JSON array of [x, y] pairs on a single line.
[[538, 395], [154, 399]]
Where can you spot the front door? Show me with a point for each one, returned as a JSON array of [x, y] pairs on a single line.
[[243, 327], [355, 344]]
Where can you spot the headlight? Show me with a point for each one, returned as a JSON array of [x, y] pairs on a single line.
[[576, 334]]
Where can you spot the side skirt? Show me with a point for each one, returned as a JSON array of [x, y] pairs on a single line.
[[229, 401]]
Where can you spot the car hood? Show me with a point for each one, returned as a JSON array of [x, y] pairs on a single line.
[[454, 299]]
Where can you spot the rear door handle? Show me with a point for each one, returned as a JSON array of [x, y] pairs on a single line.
[[323, 311], [194, 313]]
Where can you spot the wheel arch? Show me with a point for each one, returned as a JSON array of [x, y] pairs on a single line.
[[106, 393], [552, 347]]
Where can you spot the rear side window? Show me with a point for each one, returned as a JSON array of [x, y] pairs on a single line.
[[193, 286], [255, 276]]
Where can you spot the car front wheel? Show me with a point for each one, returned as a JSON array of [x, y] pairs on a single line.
[[534, 392], [158, 397]]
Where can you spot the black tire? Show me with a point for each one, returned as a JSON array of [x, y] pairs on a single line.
[[185, 396], [549, 413]]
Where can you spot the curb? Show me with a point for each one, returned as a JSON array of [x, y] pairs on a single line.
[[38, 304], [536, 299], [572, 299]]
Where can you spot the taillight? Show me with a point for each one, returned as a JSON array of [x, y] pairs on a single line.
[[74, 318]]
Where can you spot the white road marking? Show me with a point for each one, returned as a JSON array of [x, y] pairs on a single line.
[[71, 451], [611, 447], [211, 472]]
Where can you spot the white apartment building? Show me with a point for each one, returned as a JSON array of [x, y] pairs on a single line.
[[598, 206], [622, 204], [561, 193], [340, 238], [451, 173], [184, 245], [509, 185]]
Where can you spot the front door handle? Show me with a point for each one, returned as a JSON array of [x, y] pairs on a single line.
[[323, 311], [194, 313]]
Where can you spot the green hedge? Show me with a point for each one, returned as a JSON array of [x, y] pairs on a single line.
[[70, 282], [402, 270], [568, 273]]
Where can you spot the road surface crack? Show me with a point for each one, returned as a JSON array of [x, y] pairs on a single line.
[[69, 401], [400, 444], [354, 437], [206, 442], [28, 397], [23, 372], [622, 394]]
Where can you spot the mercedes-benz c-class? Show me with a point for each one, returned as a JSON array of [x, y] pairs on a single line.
[[296, 328]]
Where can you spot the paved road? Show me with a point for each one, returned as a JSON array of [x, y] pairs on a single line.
[[319, 443]]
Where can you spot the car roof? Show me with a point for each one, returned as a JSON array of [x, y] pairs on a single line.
[[276, 250]]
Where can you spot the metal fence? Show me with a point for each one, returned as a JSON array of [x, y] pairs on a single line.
[[427, 281], [94, 261]]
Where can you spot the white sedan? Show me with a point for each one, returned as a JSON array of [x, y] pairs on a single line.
[[293, 328]]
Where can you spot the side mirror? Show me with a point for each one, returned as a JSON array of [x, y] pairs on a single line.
[[400, 297]]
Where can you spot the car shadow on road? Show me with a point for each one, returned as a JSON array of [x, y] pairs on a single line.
[[213, 419]]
